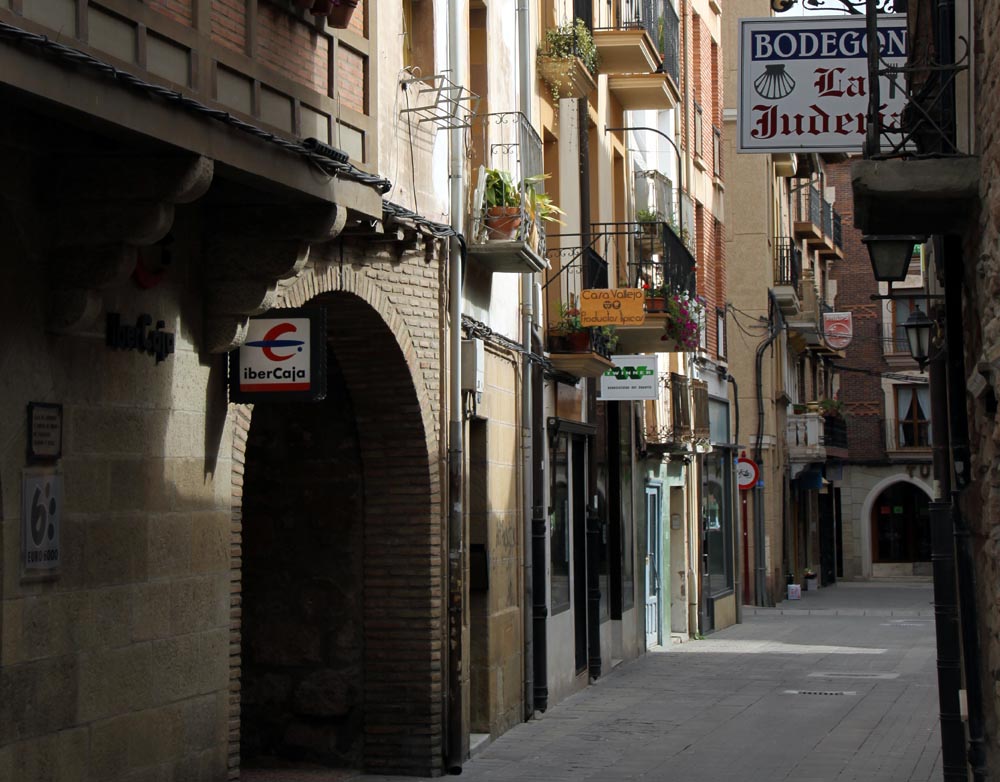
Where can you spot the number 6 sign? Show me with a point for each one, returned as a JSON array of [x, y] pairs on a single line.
[[41, 508]]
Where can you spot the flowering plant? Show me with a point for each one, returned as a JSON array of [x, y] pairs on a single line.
[[569, 319], [684, 316]]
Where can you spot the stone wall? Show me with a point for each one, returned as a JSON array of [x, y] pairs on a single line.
[[982, 340]]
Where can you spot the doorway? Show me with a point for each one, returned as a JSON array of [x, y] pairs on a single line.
[[901, 531], [654, 566]]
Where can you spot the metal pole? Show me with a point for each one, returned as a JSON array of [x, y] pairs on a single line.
[[873, 129], [949, 666]]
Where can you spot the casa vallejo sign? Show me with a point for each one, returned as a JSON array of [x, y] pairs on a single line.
[[804, 82]]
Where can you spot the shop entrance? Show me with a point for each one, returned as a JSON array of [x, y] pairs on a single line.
[[901, 532]]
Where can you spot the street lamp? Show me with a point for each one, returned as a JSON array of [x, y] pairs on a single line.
[[918, 334], [890, 255]]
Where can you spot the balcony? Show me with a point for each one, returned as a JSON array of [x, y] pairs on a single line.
[[655, 259], [509, 238], [787, 273], [813, 437], [667, 421], [833, 238], [807, 215], [625, 34], [583, 354], [567, 61]]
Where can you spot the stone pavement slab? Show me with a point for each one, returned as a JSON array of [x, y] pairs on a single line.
[[839, 688]]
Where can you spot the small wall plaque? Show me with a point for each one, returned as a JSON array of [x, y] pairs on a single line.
[[45, 426]]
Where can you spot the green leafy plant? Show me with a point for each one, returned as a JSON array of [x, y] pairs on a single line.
[[500, 189], [648, 216], [831, 408], [569, 319], [609, 336], [540, 205], [566, 42]]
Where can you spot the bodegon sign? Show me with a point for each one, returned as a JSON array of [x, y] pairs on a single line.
[[804, 82]]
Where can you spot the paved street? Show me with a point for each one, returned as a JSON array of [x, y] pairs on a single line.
[[837, 686]]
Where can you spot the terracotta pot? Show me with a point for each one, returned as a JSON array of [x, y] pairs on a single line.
[[340, 14], [502, 222], [656, 304], [578, 341]]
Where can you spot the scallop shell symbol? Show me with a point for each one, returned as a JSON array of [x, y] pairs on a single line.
[[774, 83]]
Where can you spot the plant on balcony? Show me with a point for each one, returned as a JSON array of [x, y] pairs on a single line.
[[684, 314], [656, 297], [539, 207], [559, 50], [568, 332], [502, 200], [648, 216], [609, 336], [831, 408]]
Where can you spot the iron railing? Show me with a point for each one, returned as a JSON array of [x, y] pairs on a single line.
[[807, 206], [834, 432], [656, 17], [667, 40], [787, 263], [827, 219], [506, 142], [656, 256], [838, 231]]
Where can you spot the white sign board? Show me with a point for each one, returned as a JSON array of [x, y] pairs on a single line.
[[633, 378], [41, 509], [804, 82], [276, 355], [838, 329]]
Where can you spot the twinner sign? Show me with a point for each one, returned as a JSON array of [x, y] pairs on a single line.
[[283, 358], [633, 378], [804, 82]]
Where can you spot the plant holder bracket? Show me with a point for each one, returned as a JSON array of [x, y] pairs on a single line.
[[448, 105]]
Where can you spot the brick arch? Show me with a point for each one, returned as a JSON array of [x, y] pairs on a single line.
[[866, 513], [387, 377]]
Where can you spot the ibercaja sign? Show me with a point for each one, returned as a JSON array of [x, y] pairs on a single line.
[[283, 358], [804, 82]]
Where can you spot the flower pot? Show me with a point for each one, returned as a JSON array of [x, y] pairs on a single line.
[[502, 222], [656, 304], [340, 14], [810, 583], [570, 342]]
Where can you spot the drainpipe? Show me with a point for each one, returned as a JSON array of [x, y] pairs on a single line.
[[529, 553], [456, 458], [949, 666], [760, 580], [737, 516]]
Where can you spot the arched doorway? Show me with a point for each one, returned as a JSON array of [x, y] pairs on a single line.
[[341, 563], [900, 531]]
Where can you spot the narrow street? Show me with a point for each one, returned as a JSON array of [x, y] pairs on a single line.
[[838, 686]]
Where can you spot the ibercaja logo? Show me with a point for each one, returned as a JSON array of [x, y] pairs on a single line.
[[283, 357]]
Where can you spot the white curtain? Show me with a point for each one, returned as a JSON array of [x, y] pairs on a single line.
[[924, 400]]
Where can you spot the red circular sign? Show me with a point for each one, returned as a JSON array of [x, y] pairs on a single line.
[[747, 473]]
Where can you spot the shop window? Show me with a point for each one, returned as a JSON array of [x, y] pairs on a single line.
[[559, 526]]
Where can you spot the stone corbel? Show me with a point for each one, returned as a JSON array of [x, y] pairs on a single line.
[[103, 208], [249, 251]]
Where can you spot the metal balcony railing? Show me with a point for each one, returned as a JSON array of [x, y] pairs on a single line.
[[656, 258], [827, 219], [667, 40], [574, 268], [506, 142], [667, 419], [787, 263], [834, 432], [907, 435], [838, 231]]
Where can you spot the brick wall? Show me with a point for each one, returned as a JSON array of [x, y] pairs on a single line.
[[982, 324], [385, 331], [178, 10], [861, 393]]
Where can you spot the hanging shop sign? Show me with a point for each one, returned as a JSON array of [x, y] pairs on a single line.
[[45, 424], [747, 473], [634, 378], [838, 329], [41, 509], [283, 358], [804, 82], [126, 336], [612, 307]]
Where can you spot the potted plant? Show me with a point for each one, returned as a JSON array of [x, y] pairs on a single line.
[[810, 579], [656, 298], [608, 337], [567, 60], [570, 330], [339, 12], [799, 409], [831, 408], [539, 207], [684, 314], [503, 205]]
